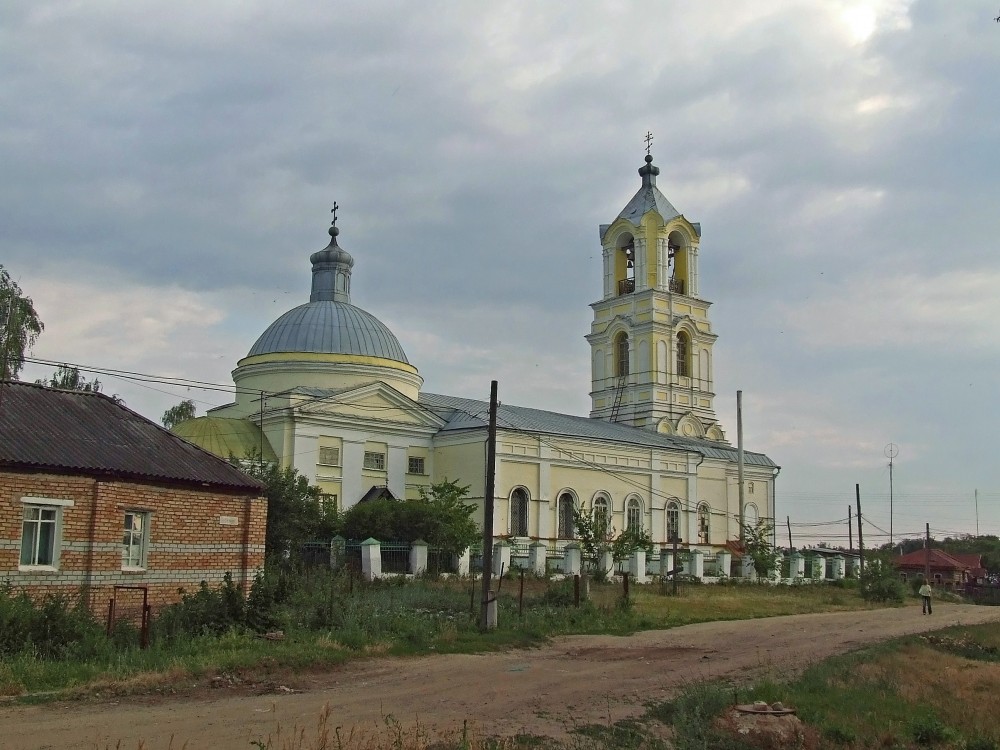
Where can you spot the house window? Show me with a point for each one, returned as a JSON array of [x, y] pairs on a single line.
[[135, 540], [415, 465], [683, 352], [39, 535], [673, 522], [374, 461], [749, 488], [704, 524], [329, 456], [519, 512], [566, 522], [602, 515], [633, 514], [327, 502], [621, 354]]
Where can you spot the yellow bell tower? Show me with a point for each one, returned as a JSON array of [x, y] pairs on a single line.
[[651, 340]]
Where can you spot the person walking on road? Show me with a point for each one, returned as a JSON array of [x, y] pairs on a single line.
[[925, 595]]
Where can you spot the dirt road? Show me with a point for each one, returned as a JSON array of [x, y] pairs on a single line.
[[591, 678]]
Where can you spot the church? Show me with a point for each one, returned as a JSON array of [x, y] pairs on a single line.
[[328, 389]]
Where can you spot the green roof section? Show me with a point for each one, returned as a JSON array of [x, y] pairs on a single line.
[[225, 437]]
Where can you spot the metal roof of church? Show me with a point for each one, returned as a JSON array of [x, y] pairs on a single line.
[[62, 431], [329, 327], [466, 414]]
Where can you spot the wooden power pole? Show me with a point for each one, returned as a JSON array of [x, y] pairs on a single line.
[[488, 507], [927, 555], [861, 536]]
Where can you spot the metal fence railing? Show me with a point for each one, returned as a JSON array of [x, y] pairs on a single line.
[[395, 557]]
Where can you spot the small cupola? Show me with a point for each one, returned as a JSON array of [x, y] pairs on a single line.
[[331, 270]]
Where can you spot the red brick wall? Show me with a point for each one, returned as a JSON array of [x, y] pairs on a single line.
[[186, 541]]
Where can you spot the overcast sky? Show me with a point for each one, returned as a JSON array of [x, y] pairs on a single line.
[[167, 168]]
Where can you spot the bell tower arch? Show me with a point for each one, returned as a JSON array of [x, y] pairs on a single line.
[[651, 339]]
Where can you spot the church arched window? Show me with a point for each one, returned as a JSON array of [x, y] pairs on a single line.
[[704, 524], [621, 354], [683, 354], [673, 521], [626, 264], [602, 515], [750, 515], [519, 512], [566, 521], [633, 514]]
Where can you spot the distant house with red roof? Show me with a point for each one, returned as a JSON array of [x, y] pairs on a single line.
[[948, 570]]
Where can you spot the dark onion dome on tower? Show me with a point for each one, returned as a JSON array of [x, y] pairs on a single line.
[[329, 323]]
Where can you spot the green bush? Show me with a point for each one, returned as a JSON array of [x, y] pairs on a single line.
[[55, 628], [880, 582], [929, 730]]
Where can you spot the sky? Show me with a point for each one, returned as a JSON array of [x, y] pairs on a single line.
[[166, 169]]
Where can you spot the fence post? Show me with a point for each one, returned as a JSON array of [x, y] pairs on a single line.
[[338, 552], [576, 590], [462, 563], [637, 565], [536, 558], [606, 563], [501, 557], [371, 559], [418, 557], [571, 559], [723, 564], [697, 563]]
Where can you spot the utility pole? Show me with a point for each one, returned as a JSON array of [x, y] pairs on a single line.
[[739, 459], [861, 537], [677, 565], [977, 512], [891, 451], [788, 522], [488, 503], [6, 345], [850, 529], [927, 555]]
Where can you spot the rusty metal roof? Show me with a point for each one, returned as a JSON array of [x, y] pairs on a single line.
[[89, 433]]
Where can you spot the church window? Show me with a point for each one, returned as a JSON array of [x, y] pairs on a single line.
[[750, 515], [602, 515], [621, 354], [519, 512], [415, 465], [633, 514], [566, 522], [626, 284], [673, 521], [374, 461], [749, 488], [704, 524], [329, 456], [683, 353]]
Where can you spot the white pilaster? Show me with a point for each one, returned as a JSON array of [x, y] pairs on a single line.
[[641, 263], [609, 273], [396, 465], [693, 265], [352, 459]]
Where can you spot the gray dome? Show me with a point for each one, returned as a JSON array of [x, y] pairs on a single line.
[[329, 327]]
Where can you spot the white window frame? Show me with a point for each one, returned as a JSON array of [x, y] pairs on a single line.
[[602, 500], [50, 504], [520, 510], [673, 520], [422, 465], [565, 521], [374, 461], [633, 513], [326, 449], [704, 524], [143, 539]]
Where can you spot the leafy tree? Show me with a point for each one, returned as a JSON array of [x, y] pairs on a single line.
[[440, 516], [182, 412], [598, 535], [70, 379], [757, 543], [20, 326], [296, 512], [880, 582]]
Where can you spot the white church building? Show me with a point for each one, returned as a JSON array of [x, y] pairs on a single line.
[[328, 389]]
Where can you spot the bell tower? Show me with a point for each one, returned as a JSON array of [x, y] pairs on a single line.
[[651, 339]]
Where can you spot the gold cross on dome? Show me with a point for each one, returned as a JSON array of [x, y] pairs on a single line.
[[649, 141]]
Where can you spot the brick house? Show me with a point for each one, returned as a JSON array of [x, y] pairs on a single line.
[[945, 569], [93, 496]]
